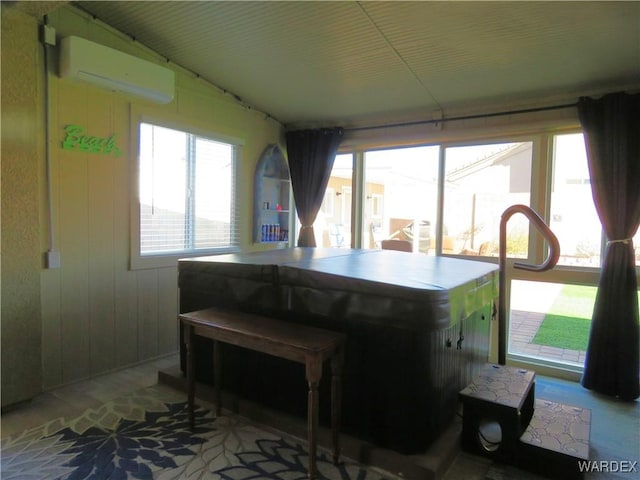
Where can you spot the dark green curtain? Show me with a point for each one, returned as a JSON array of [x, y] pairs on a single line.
[[311, 154], [612, 135]]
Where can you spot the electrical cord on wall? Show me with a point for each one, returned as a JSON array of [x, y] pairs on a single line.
[[52, 256]]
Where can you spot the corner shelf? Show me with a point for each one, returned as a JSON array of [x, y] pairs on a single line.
[[272, 198]]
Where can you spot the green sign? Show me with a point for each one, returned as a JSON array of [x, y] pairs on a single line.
[[76, 139]]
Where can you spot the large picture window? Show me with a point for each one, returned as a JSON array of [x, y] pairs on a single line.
[[186, 193], [480, 182], [457, 193], [401, 192]]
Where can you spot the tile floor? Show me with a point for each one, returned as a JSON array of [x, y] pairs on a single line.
[[615, 434], [71, 400]]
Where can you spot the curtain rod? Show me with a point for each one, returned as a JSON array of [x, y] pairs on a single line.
[[466, 117]]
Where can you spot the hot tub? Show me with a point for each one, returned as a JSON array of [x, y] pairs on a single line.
[[417, 329]]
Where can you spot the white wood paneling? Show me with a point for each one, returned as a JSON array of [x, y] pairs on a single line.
[[98, 314], [74, 237]]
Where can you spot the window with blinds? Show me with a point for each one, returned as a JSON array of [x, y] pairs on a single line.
[[187, 192]]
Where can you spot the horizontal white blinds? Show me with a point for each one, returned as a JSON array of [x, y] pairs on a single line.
[[187, 192]]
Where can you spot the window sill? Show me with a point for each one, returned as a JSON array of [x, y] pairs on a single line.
[[546, 367], [140, 262]]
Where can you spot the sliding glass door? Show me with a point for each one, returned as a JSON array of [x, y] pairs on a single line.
[[550, 316]]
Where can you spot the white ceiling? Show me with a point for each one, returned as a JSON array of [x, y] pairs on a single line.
[[351, 63]]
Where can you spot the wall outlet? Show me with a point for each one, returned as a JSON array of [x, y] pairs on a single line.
[[49, 35], [53, 259]]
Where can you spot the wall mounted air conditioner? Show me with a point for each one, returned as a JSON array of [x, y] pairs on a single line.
[[105, 67]]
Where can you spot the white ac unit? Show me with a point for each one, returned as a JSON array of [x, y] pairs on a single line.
[[105, 67]]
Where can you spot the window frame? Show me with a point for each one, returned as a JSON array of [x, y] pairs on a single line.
[[139, 261], [542, 138], [442, 200], [540, 187]]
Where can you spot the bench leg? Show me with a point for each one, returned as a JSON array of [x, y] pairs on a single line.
[[314, 372], [217, 376], [191, 383], [312, 427], [336, 402]]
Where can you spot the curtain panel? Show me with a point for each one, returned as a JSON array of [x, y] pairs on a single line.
[[612, 135], [311, 154]]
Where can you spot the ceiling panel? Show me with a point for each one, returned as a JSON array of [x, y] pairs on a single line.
[[346, 61]]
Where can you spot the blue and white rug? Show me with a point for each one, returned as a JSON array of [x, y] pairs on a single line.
[[146, 435]]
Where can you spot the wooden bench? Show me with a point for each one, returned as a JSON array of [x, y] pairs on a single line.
[[299, 343]]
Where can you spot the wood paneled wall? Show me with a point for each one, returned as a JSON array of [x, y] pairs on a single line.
[[97, 313]]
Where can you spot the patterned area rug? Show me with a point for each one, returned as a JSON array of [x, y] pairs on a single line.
[[146, 435]]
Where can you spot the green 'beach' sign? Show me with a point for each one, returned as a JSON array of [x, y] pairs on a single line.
[[76, 139]]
